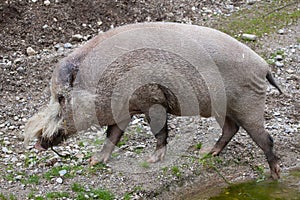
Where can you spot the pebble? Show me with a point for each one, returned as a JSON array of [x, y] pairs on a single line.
[[6, 150], [47, 2], [250, 37], [59, 180], [20, 69], [251, 2], [281, 31], [279, 64], [77, 37], [45, 26], [279, 57], [19, 177], [62, 172], [30, 51], [68, 45]]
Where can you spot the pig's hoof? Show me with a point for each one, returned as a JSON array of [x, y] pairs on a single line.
[[275, 172], [215, 152], [158, 155], [94, 160]]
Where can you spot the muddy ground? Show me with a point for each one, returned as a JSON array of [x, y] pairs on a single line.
[[24, 77]]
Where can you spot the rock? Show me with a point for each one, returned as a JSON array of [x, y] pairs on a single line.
[[281, 31], [99, 23], [20, 70], [30, 51], [77, 37], [251, 2], [57, 46], [279, 64], [279, 57], [68, 45], [47, 2], [62, 172], [250, 37], [59, 180], [18, 177], [79, 155], [45, 26]]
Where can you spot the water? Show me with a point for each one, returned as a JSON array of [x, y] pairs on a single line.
[[288, 188]]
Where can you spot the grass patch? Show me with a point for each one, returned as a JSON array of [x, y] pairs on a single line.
[[145, 164], [32, 179], [76, 187], [54, 172], [265, 18], [123, 141], [198, 146], [57, 195], [11, 197], [98, 167], [176, 171]]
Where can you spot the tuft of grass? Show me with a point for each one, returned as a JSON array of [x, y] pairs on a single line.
[[32, 179], [127, 196], [98, 167], [76, 187], [57, 195], [145, 164], [54, 172], [123, 141], [11, 197], [198, 146], [103, 194], [176, 171]]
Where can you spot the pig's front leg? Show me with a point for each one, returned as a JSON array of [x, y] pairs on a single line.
[[113, 134], [159, 127]]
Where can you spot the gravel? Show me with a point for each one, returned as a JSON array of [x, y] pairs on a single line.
[[25, 69]]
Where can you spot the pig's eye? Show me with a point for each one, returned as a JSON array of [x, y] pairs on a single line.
[[60, 98]]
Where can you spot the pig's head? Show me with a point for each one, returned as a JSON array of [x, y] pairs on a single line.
[[54, 123]]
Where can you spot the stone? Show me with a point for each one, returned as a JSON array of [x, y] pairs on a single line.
[[59, 180], [47, 2], [77, 37], [251, 2], [279, 57], [279, 64], [62, 172], [30, 51], [250, 37], [281, 31], [68, 45]]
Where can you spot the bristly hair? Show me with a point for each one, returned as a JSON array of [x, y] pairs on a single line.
[[45, 123]]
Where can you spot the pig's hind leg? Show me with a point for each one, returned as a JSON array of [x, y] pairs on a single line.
[[113, 134], [229, 129], [251, 118], [262, 138]]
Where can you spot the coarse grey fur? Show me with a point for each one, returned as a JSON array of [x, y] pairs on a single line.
[[155, 69]]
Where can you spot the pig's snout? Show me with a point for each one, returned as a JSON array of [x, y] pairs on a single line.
[[44, 143]]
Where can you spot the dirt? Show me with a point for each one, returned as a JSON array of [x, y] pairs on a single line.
[[24, 89]]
